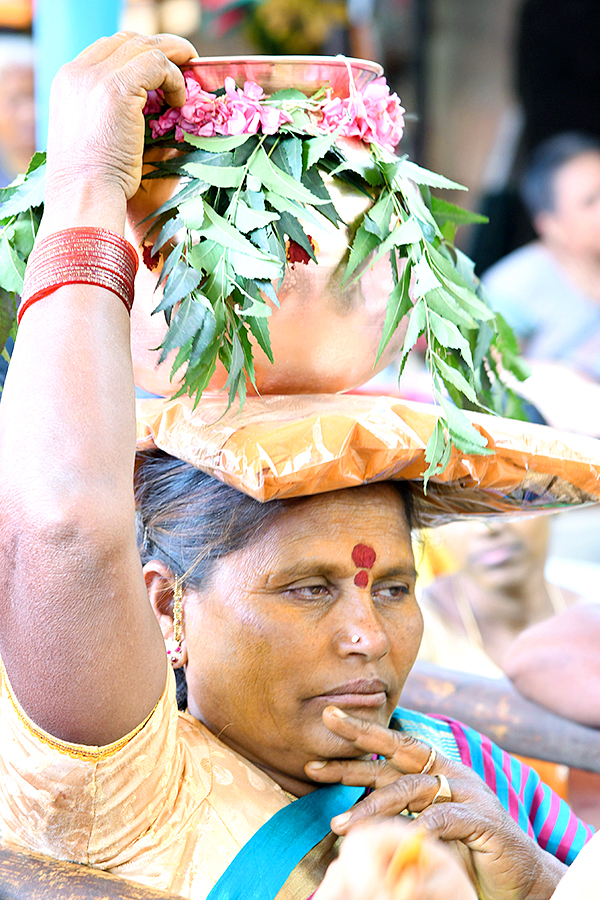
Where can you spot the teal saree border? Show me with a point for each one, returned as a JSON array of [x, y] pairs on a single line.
[[265, 862]]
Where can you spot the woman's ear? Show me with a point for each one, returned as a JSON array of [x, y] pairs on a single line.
[[159, 584]]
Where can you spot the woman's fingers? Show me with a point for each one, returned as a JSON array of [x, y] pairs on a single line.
[[403, 752], [159, 58], [507, 863], [393, 790], [368, 773], [150, 70], [410, 792], [164, 54], [103, 47], [120, 47], [96, 132], [454, 822], [141, 62]]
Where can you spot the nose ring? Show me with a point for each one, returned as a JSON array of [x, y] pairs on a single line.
[[355, 638]]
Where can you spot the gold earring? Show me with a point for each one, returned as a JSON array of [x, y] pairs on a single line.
[[173, 644]]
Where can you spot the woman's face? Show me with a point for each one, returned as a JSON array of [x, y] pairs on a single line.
[[575, 220], [320, 610]]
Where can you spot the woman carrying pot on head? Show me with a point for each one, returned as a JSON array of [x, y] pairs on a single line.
[[295, 622]]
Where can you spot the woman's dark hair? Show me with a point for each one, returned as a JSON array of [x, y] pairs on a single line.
[[537, 182], [188, 520]]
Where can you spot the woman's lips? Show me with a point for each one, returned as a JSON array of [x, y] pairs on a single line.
[[363, 692]]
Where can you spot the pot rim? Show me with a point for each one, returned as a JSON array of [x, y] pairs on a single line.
[[307, 73]]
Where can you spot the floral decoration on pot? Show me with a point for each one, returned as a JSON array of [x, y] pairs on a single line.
[[250, 174]]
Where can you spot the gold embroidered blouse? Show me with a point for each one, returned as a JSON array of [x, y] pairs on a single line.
[[168, 806]]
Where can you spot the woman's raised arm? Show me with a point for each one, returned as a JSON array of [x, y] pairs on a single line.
[[78, 638]]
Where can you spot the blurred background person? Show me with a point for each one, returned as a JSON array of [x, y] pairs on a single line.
[[557, 68], [555, 74], [556, 663], [17, 136], [496, 587], [17, 106], [549, 290]]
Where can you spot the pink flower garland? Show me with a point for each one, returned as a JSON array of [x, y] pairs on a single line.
[[239, 111], [371, 114]]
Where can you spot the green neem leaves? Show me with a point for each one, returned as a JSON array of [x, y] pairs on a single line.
[[20, 214], [275, 179], [437, 451], [181, 282], [407, 169], [240, 202], [12, 265], [316, 148], [29, 193], [399, 305], [217, 144]]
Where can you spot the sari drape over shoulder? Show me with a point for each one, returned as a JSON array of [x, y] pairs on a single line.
[[170, 806]]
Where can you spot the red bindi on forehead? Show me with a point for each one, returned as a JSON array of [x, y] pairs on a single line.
[[361, 579], [363, 556]]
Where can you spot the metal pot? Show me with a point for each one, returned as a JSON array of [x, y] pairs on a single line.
[[324, 338]]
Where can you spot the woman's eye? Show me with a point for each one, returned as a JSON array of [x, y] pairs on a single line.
[[391, 591], [308, 591]]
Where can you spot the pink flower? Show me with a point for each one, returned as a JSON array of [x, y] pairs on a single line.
[[240, 111], [164, 123], [154, 102], [372, 114], [247, 107]]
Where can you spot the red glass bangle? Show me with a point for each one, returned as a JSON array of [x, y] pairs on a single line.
[[80, 256]]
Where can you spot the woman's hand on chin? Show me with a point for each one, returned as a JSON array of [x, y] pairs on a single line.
[[505, 862], [390, 861]]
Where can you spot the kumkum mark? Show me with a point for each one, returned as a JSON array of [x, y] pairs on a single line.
[[363, 557]]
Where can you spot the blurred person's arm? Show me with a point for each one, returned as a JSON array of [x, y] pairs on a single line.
[[568, 400], [556, 663], [496, 708]]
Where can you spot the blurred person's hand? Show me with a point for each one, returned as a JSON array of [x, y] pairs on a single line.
[[391, 861]]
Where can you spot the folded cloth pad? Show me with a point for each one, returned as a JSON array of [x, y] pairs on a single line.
[[297, 445]]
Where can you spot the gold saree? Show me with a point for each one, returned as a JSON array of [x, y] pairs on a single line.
[[169, 806]]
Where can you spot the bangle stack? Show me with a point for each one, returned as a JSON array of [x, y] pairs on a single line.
[[80, 256]]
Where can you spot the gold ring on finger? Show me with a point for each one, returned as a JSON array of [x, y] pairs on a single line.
[[430, 762], [443, 794]]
